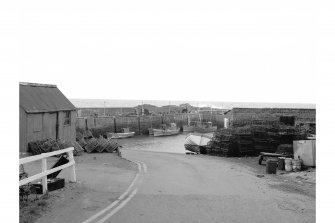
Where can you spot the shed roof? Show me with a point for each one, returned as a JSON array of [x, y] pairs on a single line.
[[37, 98]]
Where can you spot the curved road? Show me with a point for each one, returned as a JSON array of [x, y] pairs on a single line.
[[187, 188]]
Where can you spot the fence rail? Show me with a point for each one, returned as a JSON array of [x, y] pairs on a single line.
[[43, 157]]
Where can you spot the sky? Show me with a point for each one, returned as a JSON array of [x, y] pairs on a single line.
[[250, 51], [235, 51]]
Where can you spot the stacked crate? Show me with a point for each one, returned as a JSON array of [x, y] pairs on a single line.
[[244, 140], [101, 145], [223, 143], [253, 139], [245, 144]]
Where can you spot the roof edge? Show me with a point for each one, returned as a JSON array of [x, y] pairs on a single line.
[[38, 85], [47, 111]]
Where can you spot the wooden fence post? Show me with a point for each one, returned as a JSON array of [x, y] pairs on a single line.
[[45, 172], [73, 169], [45, 178]]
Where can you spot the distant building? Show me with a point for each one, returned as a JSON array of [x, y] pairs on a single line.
[[45, 113]]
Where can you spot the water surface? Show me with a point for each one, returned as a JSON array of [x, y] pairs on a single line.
[[171, 144]]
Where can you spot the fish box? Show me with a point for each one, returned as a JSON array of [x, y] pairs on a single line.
[[53, 184]]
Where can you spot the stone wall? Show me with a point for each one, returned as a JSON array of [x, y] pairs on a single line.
[[241, 116], [141, 124]]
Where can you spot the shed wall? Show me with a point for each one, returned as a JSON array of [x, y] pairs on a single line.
[[39, 126], [67, 132], [23, 130], [47, 121]]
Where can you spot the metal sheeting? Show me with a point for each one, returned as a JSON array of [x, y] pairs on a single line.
[[43, 98]]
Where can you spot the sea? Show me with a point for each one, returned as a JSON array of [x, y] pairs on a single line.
[[93, 103]]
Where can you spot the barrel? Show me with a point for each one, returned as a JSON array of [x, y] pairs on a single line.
[[281, 163], [288, 164], [296, 165], [271, 166]]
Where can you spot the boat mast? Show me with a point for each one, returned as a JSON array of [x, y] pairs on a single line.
[[199, 111], [169, 107], [151, 121], [211, 113], [104, 108]]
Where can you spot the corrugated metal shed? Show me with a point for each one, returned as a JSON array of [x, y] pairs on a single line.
[[36, 98]]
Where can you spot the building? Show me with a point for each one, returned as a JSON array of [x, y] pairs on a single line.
[[45, 113], [287, 116]]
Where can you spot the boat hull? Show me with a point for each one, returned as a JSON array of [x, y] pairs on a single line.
[[120, 135], [167, 132], [187, 128], [151, 131], [205, 130], [194, 141]]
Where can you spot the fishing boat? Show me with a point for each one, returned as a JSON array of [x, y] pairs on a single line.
[[189, 127], [204, 127], [194, 141], [125, 134], [199, 126], [166, 131], [151, 131]]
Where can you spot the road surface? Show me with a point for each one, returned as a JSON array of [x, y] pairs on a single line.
[[191, 188]]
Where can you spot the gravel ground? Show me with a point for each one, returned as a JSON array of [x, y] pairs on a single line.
[[83, 198], [103, 177], [303, 182]]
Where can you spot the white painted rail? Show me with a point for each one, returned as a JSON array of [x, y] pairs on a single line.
[[43, 157]]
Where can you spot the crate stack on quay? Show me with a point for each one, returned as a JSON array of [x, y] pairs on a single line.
[[222, 143], [253, 139], [265, 138], [100, 144], [244, 140], [84, 142], [48, 145]]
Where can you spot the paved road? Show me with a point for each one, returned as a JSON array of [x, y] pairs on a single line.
[[189, 188]]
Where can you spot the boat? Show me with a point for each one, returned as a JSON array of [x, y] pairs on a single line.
[[166, 131], [194, 141], [199, 126], [151, 131], [189, 127], [125, 134], [205, 127]]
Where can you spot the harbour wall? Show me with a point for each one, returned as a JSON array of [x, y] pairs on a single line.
[[141, 124]]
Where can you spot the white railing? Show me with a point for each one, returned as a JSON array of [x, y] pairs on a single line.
[[45, 171]]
